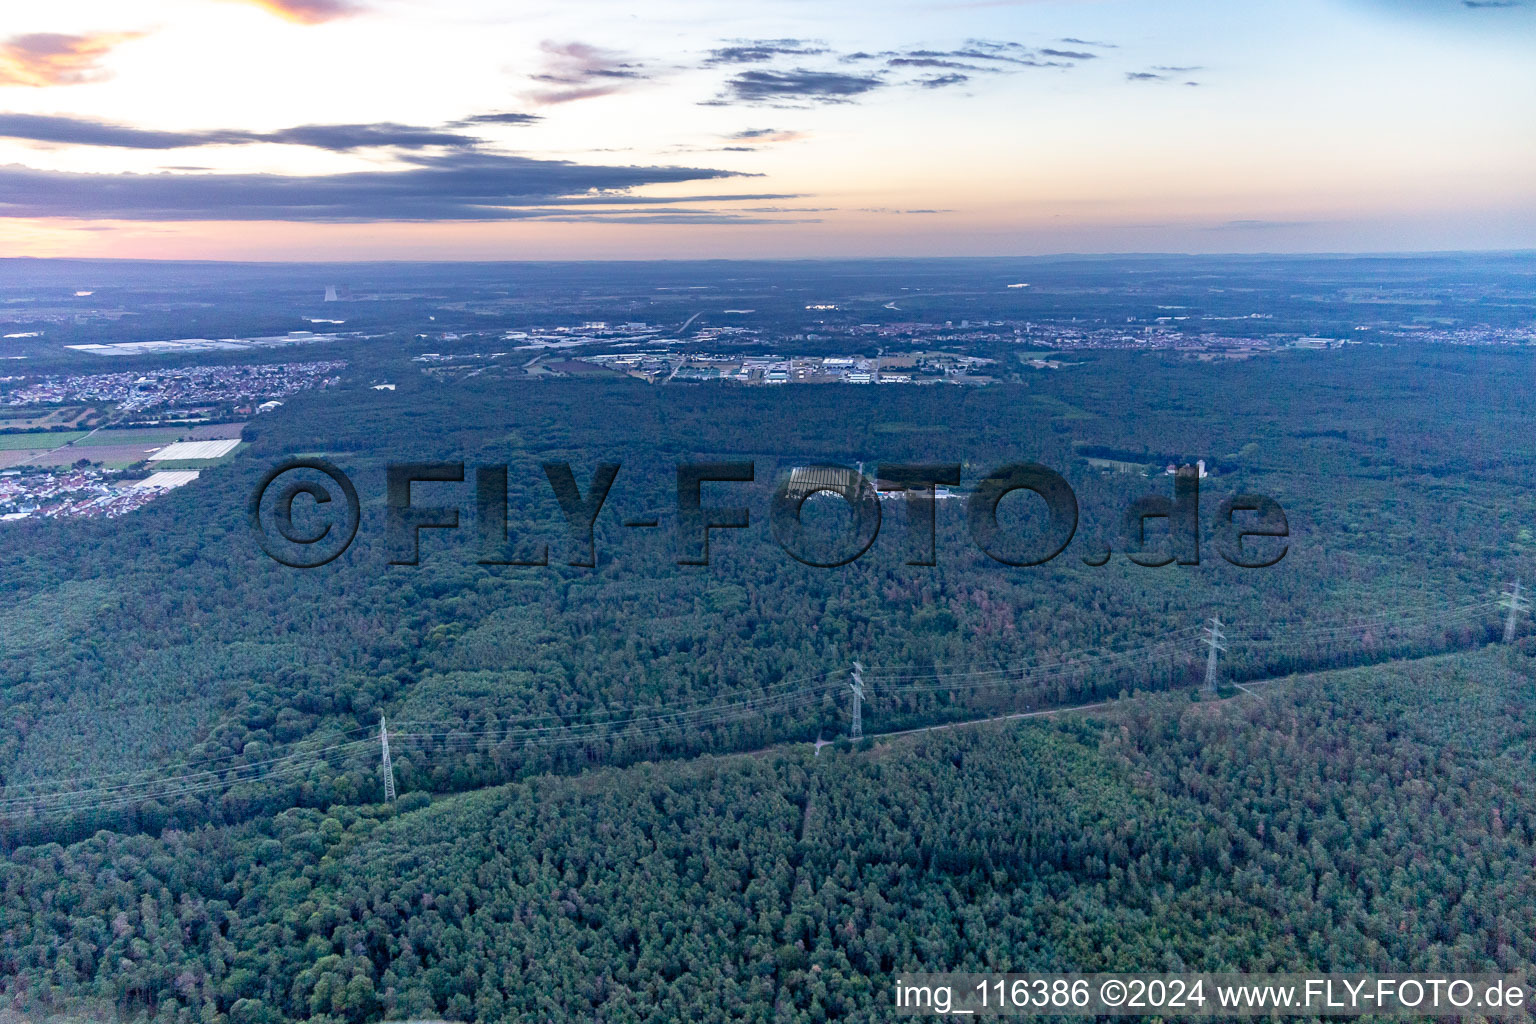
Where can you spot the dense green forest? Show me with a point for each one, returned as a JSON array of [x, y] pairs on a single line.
[[192, 814], [1368, 819], [169, 645]]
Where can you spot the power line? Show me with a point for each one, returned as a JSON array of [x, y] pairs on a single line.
[[856, 724], [129, 788], [271, 764], [1215, 640], [1024, 665], [385, 767], [180, 765], [1516, 603]]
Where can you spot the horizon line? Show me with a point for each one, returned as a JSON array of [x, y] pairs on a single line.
[[1104, 255]]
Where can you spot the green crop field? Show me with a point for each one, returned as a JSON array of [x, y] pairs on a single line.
[[39, 439], [147, 436]]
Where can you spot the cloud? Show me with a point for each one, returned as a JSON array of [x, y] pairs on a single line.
[[339, 138], [334, 137], [765, 135], [606, 199], [343, 137], [991, 52], [455, 186], [499, 118], [930, 62], [1480, 4], [308, 12], [797, 86], [1005, 52], [665, 217], [758, 51], [1070, 41], [757, 136], [75, 131], [579, 71], [977, 56], [49, 58], [1162, 73]]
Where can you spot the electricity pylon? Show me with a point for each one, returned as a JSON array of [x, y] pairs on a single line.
[[1215, 639], [856, 726], [384, 765], [1516, 603]]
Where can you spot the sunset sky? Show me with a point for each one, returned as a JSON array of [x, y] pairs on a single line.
[[485, 129]]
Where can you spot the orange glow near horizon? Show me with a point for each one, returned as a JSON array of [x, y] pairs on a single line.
[[1040, 231]]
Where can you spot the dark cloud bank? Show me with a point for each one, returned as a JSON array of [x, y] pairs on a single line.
[[456, 186]]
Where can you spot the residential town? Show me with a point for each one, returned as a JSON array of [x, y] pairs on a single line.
[[233, 386], [86, 445], [77, 492]]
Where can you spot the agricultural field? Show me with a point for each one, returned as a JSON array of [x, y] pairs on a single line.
[[172, 464], [31, 418], [196, 450], [214, 431], [39, 439], [19, 456], [120, 448], [109, 456], [157, 437]]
